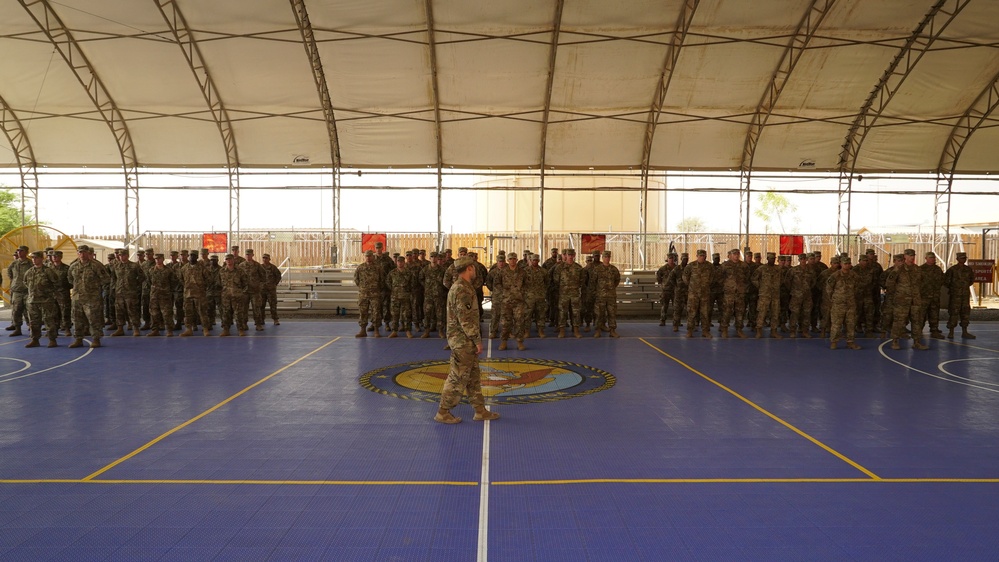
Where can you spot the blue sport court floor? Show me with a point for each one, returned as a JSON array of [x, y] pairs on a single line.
[[304, 443]]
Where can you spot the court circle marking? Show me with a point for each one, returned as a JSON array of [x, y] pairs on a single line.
[[504, 381]]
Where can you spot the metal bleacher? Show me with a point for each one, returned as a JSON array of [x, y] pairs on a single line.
[[331, 292]]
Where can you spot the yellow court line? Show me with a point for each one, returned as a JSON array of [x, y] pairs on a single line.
[[295, 482], [765, 412], [206, 412]]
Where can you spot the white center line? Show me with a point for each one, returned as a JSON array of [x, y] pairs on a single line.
[[483, 551]]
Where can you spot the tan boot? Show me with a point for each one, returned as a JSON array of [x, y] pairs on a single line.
[[136, 333], [444, 416], [706, 333], [52, 343], [690, 333], [967, 335], [377, 334], [894, 344], [409, 334], [806, 334], [362, 334], [541, 332], [613, 333], [393, 334], [426, 334], [502, 345], [153, 333], [226, 333], [596, 333], [96, 343], [561, 332], [739, 333], [78, 342], [169, 333], [937, 335], [676, 327], [759, 333], [852, 345], [33, 342], [575, 332], [482, 414], [950, 333], [187, 332], [242, 333], [119, 332], [918, 344], [832, 344]]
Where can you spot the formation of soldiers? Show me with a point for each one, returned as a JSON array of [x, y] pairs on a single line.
[[149, 294], [838, 301], [409, 291]]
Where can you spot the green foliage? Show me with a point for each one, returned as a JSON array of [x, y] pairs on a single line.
[[692, 224], [771, 206], [10, 211]]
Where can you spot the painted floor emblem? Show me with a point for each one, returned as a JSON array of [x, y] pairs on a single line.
[[507, 381]]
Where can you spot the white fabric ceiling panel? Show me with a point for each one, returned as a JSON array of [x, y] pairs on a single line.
[[493, 76], [616, 75], [279, 80], [73, 142], [153, 149], [980, 154], [698, 145], [233, 17], [367, 17], [376, 75], [491, 142], [384, 142], [903, 147], [785, 147], [730, 76], [279, 140], [493, 18], [621, 19], [955, 82], [598, 143]]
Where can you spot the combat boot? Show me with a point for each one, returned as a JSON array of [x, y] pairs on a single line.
[[186, 333], [894, 344], [502, 345], [426, 334], [119, 332], [16, 332], [724, 334], [561, 332], [794, 334], [96, 343], [169, 333], [596, 333], [520, 345], [918, 344], [966, 334], [739, 333], [852, 345], [135, 333], [575, 332], [662, 322], [409, 334], [937, 335], [362, 334], [444, 416], [832, 344], [153, 333], [393, 334], [676, 327], [805, 334], [759, 333], [78, 342], [204, 332], [706, 333], [775, 334], [225, 332], [242, 332], [145, 326], [33, 342], [613, 333], [482, 414], [52, 343], [690, 333], [950, 333], [377, 334], [541, 332]]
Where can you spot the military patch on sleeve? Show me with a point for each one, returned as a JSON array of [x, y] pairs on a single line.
[[468, 306]]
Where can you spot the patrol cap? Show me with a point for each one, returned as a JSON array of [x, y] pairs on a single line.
[[757, 255], [150, 250], [395, 254], [121, 251], [930, 255], [461, 249], [589, 259], [448, 251], [214, 257], [38, 254], [835, 259], [570, 252], [472, 254], [716, 255], [671, 255], [185, 252], [366, 253], [423, 252], [22, 248], [810, 255], [684, 255], [554, 250], [158, 256], [909, 252], [771, 255], [462, 263], [433, 254], [961, 255], [203, 250], [195, 252], [871, 251], [174, 252], [606, 253], [862, 257], [845, 260], [512, 256], [232, 257], [702, 253], [733, 251], [82, 248], [379, 245], [535, 257], [802, 256], [501, 257], [235, 249], [249, 251], [57, 253], [400, 258], [266, 256], [595, 252], [818, 253], [747, 251], [899, 257], [409, 252]]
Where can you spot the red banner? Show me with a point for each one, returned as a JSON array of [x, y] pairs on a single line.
[[791, 245], [216, 242], [590, 243], [983, 270], [368, 241]]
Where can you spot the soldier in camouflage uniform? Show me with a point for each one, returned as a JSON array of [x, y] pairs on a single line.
[[876, 271], [400, 283], [384, 261], [147, 261], [42, 284], [369, 281], [752, 293], [162, 283], [128, 289], [717, 299], [268, 289], [825, 304], [675, 280], [697, 278], [887, 283], [107, 292], [959, 279], [463, 336], [734, 279], [535, 295], [88, 276], [254, 272], [588, 297], [18, 290], [570, 280], [64, 300], [194, 277], [908, 302], [666, 295], [214, 290], [767, 279], [178, 292], [416, 268], [551, 296], [232, 280], [842, 289], [434, 297], [933, 280], [513, 281], [784, 263], [865, 303], [819, 292], [495, 293], [802, 281], [608, 277]]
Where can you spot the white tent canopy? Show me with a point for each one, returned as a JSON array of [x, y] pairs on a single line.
[[855, 85]]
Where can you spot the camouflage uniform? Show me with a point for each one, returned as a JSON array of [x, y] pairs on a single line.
[[551, 294], [752, 292], [145, 265], [571, 279], [908, 303], [400, 284], [865, 302], [933, 280], [464, 376], [386, 264], [735, 279], [697, 277], [959, 279], [417, 298], [268, 289], [41, 284], [64, 300], [434, 297], [513, 280], [666, 295], [128, 289], [495, 293], [717, 299], [887, 282], [842, 288], [588, 294], [162, 283], [107, 291], [18, 291], [214, 293], [178, 292], [232, 281], [370, 282], [876, 286], [767, 279], [800, 315], [535, 295], [824, 302], [675, 280], [87, 278], [608, 277], [254, 291], [195, 280], [785, 291], [818, 307]]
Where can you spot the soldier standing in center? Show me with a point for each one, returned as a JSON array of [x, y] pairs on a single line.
[[513, 280], [887, 282], [387, 264], [551, 296], [802, 281], [496, 293], [145, 264], [195, 280], [675, 280], [959, 279], [178, 292], [865, 305], [825, 304], [608, 277], [254, 289], [842, 289], [88, 276], [162, 283], [933, 281], [666, 294], [752, 293], [697, 277], [41, 283], [534, 296], [434, 297], [589, 292], [233, 283], [735, 278], [369, 281], [400, 282], [570, 280], [908, 302], [214, 290], [876, 271], [767, 279], [64, 300], [128, 289]]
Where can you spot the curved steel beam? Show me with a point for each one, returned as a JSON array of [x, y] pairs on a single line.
[[807, 27], [435, 89], [26, 164], [192, 53], [64, 42], [930, 28], [319, 75], [673, 49], [973, 118], [549, 84]]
